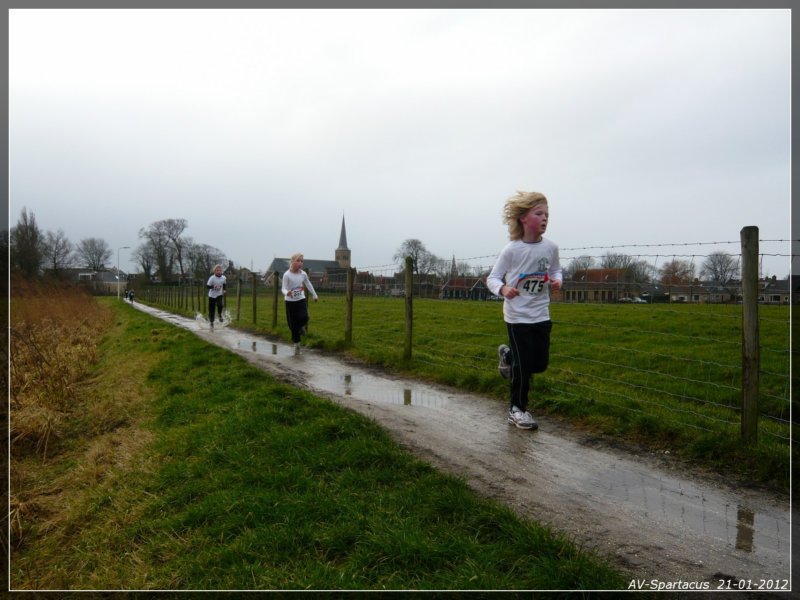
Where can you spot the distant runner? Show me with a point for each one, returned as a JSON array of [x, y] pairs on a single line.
[[217, 288], [293, 285]]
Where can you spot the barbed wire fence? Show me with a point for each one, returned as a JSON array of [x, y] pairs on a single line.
[[585, 367], [679, 361]]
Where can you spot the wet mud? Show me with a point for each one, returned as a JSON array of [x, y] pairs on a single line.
[[653, 519]]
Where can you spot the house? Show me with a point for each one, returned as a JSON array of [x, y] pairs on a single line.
[[715, 293], [774, 291], [324, 274], [100, 282], [599, 285], [388, 285], [695, 292], [465, 288], [230, 271], [233, 275]]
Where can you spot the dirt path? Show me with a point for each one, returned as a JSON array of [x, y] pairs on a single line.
[[657, 522]]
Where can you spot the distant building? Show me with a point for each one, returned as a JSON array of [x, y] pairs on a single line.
[[599, 285], [99, 282], [774, 291], [465, 288], [324, 274]]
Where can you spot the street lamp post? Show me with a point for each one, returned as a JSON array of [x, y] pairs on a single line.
[[118, 249]]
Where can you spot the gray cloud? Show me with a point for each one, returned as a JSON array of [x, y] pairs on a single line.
[[263, 127]]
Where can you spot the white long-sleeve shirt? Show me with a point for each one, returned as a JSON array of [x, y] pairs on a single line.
[[529, 267], [292, 286], [216, 286]]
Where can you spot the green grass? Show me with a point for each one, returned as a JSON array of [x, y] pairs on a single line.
[[666, 376], [247, 483]]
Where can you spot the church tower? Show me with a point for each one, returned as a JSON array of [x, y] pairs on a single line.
[[343, 252]]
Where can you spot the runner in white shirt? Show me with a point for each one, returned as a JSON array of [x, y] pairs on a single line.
[[294, 284], [527, 270], [217, 288]]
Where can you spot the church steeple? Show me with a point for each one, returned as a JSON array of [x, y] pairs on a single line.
[[343, 237], [343, 252]]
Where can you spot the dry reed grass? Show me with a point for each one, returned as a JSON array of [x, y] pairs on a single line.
[[54, 332], [53, 345]]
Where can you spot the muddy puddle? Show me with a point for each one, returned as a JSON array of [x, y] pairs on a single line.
[[331, 376], [653, 520]]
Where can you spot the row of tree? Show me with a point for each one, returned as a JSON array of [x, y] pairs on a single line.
[[165, 252], [719, 267], [168, 254]]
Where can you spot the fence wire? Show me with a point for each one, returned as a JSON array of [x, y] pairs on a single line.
[[669, 359]]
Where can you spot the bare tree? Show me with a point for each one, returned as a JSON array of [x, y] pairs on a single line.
[[27, 245], [720, 267], [463, 268], [640, 271], [632, 270], [420, 257], [579, 263], [613, 260], [163, 253], [677, 272], [146, 258], [93, 253], [173, 229], [202, 258], [442, 268], [57, 252]]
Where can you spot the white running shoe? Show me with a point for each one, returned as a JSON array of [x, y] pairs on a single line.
[[521, 419]]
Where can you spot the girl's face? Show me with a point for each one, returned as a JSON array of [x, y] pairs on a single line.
[[218, 271], [297, 264], [534, 222]]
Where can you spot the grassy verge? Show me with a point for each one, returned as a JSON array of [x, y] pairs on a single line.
[[664, 377], [219, 477]]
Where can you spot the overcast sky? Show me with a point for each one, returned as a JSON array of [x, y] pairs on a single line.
[[263, 128]]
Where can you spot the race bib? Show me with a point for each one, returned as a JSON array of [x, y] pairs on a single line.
[[296, 293], [532, 283]]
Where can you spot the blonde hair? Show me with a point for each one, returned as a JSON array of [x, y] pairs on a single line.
[[294, 257], [516, 207]]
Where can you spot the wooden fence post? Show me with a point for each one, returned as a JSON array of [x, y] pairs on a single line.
[[409, 280], [238, 298], [255, 293], [276, 291], [348, 316], [751, 357]]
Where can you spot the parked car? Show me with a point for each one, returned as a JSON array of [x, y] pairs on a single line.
[[638, 300]]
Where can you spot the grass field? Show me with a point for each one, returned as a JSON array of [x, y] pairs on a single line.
[[173, 464], [663, 376]]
